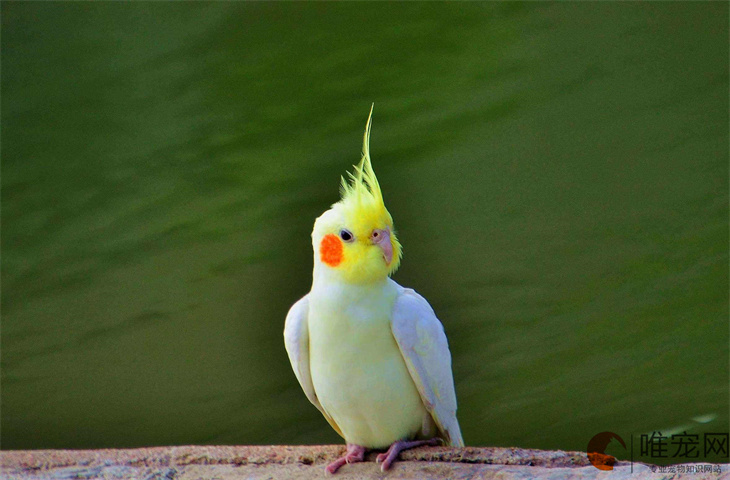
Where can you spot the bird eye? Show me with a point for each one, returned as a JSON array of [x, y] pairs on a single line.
[[346, 235]]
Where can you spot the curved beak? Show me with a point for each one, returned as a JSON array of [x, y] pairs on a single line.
[[381, 238]]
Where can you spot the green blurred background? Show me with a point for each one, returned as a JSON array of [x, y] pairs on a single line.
[[558, 175]]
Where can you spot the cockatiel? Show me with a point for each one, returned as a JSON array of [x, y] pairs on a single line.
[[370, 354]]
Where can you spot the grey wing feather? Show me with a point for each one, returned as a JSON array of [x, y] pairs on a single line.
[[424, 347]]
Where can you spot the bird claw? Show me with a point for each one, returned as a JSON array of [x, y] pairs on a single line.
[[390, 456], [355, 453]]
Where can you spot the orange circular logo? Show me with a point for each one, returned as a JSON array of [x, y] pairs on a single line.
[[597, 450]]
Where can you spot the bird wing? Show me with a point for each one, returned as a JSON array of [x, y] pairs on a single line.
[[424, 347], [296, 340]]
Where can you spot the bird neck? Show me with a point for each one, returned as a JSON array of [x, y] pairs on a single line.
[[326, 281]]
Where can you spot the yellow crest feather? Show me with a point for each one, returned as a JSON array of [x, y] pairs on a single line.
[[363, 188]]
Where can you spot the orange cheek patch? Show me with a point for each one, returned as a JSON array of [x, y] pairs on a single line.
[[330, 250]]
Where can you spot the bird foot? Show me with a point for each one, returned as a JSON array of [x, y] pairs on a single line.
[[355, 453], [389, 457]]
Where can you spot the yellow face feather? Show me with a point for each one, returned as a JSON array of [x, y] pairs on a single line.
[[360, 211]]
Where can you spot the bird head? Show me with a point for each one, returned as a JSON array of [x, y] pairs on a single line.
[[355, 240]]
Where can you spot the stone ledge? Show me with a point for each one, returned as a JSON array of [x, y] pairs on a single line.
[[307, 462]]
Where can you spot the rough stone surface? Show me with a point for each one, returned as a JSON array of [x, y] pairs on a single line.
[[307, 462]]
